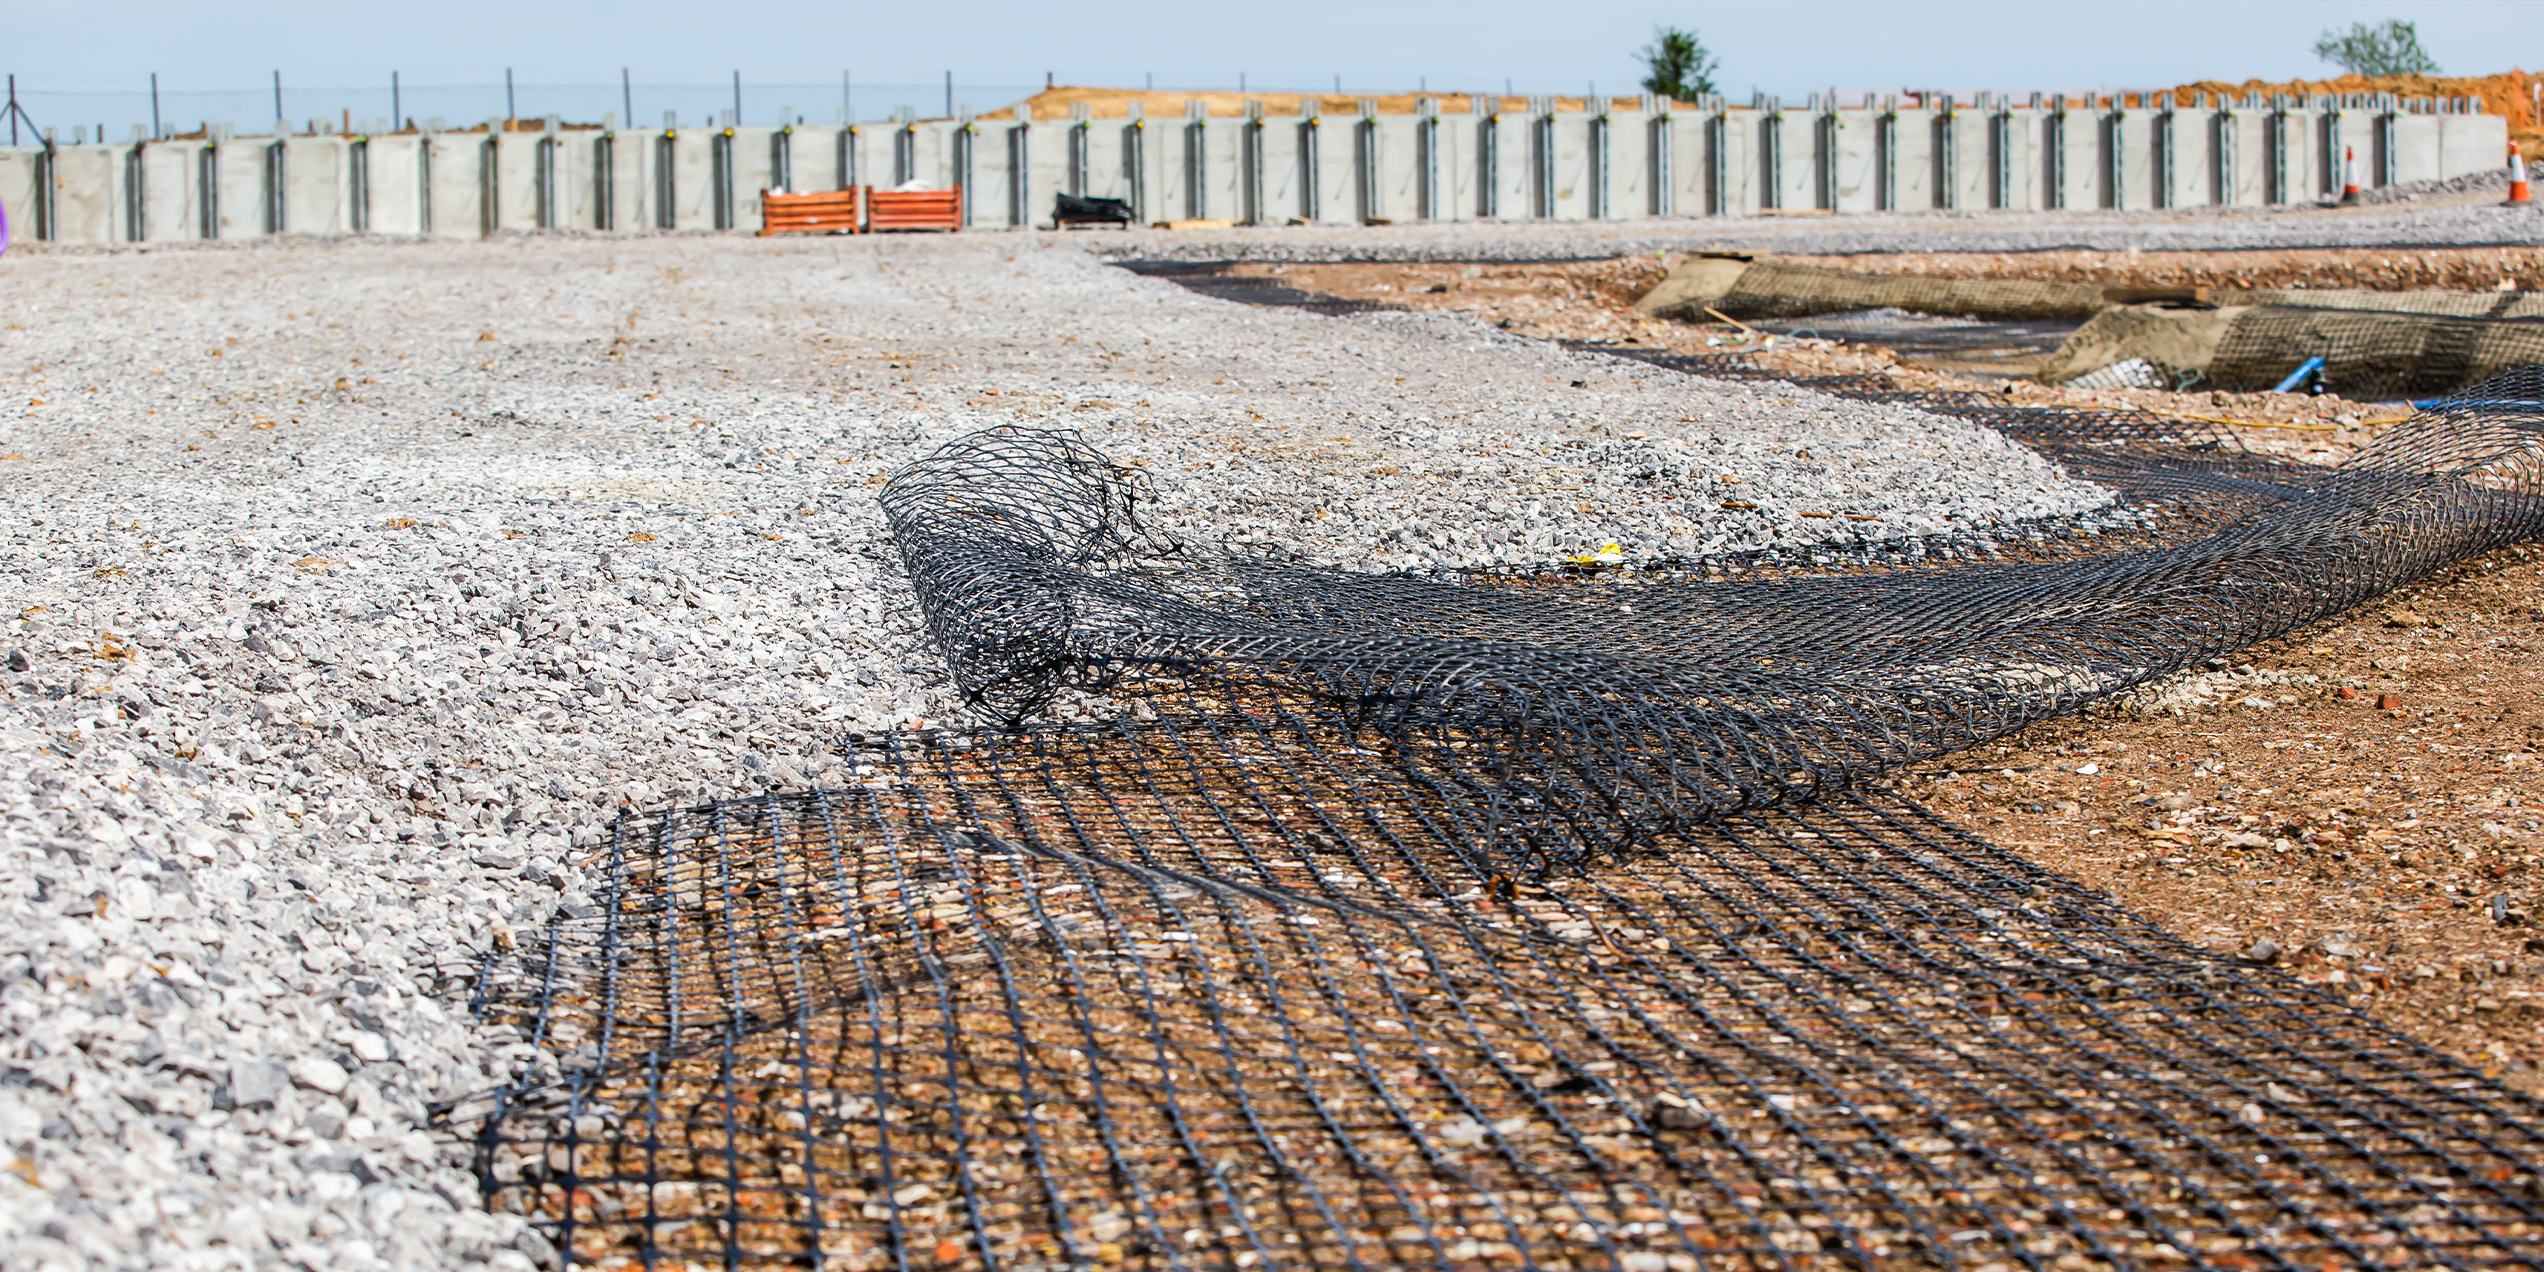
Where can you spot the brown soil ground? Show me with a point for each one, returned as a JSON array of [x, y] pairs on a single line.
[[1114, 103], [2370, 845], [2375, 269], [1594, 301], [2512, 93]]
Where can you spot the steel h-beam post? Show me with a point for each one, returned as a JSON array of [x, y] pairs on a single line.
[[2226, 165], [2001, 142], [1250, 163], [1598, 110], [1664, 165], [1543, 161], [1020, 173], [1311, 170], [1718, 160], [1771, 126], [2115, 155], [2167, 147], [1947, 155], [1427, 153], [2054, 125]]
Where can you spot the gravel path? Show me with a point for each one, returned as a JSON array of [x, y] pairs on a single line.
[[2436, 219], [353, 587]]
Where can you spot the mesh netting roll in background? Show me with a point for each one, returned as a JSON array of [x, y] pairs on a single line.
[[1553, 919]]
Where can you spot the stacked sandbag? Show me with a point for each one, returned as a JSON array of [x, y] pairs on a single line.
[[2175, 339], [1747, 287]]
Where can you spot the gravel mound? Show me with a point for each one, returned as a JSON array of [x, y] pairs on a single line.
[[2492, 181], [358, 586]]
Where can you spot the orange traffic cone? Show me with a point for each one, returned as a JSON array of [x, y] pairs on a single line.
[[2517, 177], [2349, 175]]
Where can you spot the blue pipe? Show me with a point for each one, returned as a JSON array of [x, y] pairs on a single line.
[[2298, 376]]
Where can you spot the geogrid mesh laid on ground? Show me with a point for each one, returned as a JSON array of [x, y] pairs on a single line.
[[1552, 919]]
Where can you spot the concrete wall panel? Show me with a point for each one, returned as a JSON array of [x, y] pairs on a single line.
[[985, 186], [626, 206], [2348, 135], [172, 210], [2251, 155], [1569, 197], [1171, 173], [315, 193], [2082, 174], [1854, 141], [2417, 153], [1046, 174], [753, 152], [1914, 164], [1731, 163], [240, 187], [2471, 143], [812, 159], [2012, 156], [1538, 166], [393, 168], [1338, 196], [1451, 171], [692, 173], [572, 189], [1100, 162], [1683, 132], [516, 168], [1968, 181], [17, 188], [1497, 165], [454, 172], [1221, 152], [88, 184], [1275, 173]]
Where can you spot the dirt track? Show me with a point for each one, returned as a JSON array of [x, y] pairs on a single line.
[[2370, 846]]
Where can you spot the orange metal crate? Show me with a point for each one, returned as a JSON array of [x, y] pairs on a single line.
[[834, 211], [914, 209]]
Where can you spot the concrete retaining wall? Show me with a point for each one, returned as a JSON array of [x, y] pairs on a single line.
[[1454, 159]]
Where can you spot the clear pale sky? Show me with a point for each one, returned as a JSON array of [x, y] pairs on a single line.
[[89, 62]]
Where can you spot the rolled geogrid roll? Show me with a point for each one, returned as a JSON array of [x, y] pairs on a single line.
[[1770, 288], [2367, 353], [2455, 304]]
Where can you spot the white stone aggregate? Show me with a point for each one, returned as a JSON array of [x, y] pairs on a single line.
[[350, 589]]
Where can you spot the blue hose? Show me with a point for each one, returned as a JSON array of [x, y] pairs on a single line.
[[2298, 376]]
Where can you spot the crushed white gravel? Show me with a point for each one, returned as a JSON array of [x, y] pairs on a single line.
[[350, 588]]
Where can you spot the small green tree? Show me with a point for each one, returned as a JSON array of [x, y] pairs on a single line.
[[2391, 47], [1682, 69]]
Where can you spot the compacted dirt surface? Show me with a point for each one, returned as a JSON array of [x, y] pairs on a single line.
[[2357, 804]]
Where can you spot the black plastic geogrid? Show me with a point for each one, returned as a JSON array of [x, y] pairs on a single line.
[[1553, 919], [2371, 355]]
